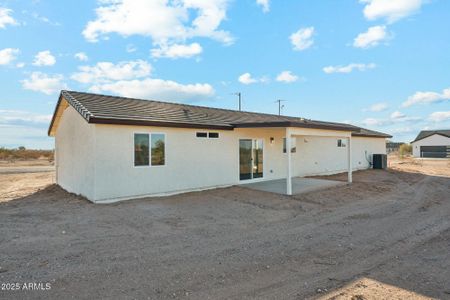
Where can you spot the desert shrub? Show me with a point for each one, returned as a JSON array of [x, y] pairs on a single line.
[[405, 149], [21, 153]]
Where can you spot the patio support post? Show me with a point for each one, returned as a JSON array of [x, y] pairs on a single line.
[[349, 160], [289, 162]]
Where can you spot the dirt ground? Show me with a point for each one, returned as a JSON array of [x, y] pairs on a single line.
[[386, 236], [24, 163], [13, 186], [420, 165]]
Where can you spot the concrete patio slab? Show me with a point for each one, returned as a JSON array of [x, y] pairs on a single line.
[[299, 185]]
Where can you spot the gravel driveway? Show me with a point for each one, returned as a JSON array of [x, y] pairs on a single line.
[[234, 243]]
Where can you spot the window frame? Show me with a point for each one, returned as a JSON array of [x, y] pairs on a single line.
[[201, 132], [150, 149], [208, 135]]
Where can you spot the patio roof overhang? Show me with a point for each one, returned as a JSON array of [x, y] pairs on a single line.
[[286, 124]]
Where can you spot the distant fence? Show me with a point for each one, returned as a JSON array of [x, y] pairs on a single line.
[[392, 147]]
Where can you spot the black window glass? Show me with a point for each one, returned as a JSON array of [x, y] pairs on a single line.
[[158, 150], [141, 149], [202, 134]]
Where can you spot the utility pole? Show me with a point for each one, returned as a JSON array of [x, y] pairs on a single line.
[[240, 98], [280, 106]]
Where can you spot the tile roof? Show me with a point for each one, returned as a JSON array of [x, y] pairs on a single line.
[[426, 133], [102, 109], [359, 131]]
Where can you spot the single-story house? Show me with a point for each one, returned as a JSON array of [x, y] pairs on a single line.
[[113, 148], [432, 144]]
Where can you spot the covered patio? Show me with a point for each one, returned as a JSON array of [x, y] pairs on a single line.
[[315, 149], [303, 183], [299, 185]]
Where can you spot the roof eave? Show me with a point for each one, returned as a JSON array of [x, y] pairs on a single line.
[[385, 136], [291, 124], [74, 103], [54, 115], [134, 122]]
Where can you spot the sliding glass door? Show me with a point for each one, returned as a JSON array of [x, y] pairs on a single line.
[[251, 159]]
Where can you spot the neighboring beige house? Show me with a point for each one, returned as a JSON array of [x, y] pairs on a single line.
[[432, 144], [113, 148]]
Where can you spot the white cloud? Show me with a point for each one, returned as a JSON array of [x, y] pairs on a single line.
[[44, 58], [131, 48], [265, 5], [30, 136], [41, 82], [247, 78], [440, 116], [177, 51], [391, 10], [166, 22], [348, 68], [8, 55], [395, 118], [302, 39], [287, 77], [81, 56], [131, 79], [377, 107], [372, 37], [427, 98], [19, 116], [396, 115], [402, 130], [373, 122], [43, 19], [156, 89], [107, 71], [6, 18]]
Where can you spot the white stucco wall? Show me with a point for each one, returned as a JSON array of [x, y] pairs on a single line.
[[196, 163], [191, 163], [75, 154], [97, 161], [363, 148], [434, 140], [321, 156]]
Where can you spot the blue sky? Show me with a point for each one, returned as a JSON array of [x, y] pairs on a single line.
[[380, 64]]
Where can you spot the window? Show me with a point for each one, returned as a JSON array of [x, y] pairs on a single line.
[[211, 135], [341, 143], [158, 150], [293, 145], [142, 150], [141, 146]]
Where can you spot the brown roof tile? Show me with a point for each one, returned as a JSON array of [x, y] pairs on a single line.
[[103, 109]]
